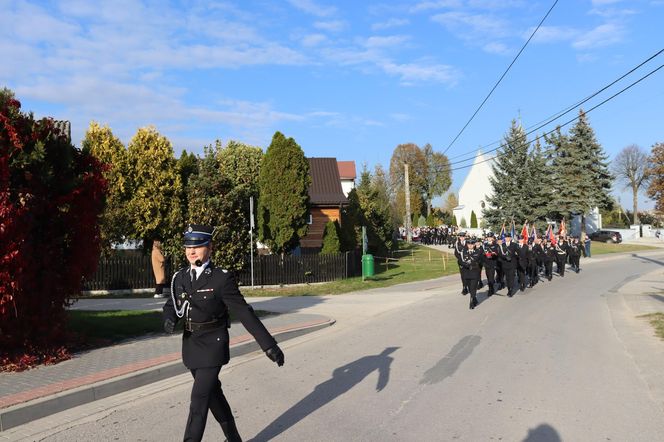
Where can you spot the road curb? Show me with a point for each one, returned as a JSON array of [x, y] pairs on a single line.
[[25, 412]]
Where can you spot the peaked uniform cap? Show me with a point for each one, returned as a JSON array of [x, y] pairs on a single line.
[[197, 235]]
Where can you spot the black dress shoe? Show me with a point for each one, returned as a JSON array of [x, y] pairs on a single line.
[[510, 294]]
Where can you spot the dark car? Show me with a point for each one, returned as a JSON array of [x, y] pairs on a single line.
[[610, 236]]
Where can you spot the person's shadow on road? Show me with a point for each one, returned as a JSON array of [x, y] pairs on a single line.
[[343, 379]]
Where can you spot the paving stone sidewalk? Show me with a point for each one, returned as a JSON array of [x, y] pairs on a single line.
[[98, 373]]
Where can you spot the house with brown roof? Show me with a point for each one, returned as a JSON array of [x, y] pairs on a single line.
[[326, 198]]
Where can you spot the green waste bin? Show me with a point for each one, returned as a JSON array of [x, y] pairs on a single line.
[[367, 265]]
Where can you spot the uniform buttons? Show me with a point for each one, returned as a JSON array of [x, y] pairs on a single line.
[[204, 296], [218, 339]]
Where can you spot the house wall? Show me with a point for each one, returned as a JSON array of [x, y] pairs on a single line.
[[320, 216], [347, 186]]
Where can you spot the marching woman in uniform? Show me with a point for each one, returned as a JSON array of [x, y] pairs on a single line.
[[202, 295]]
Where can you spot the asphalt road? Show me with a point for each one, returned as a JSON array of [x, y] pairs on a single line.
[[418, 365]]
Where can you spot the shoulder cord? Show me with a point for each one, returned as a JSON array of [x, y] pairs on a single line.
[[185, 305]]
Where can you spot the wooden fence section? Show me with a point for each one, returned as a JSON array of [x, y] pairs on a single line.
[[134, 270]]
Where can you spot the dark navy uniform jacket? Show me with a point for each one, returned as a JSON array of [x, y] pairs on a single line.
[[212, 296]]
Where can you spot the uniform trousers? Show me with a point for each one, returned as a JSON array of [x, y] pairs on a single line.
[[548, 269], [521, 272], [490, 270], [509, 277], [560, 264], [471, 284], [207, 394]]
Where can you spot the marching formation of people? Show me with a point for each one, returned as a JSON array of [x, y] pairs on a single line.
[[513, 263]]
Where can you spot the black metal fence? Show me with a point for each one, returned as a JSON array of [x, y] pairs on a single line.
[[128, 270]]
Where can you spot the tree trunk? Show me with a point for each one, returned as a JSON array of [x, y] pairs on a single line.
[[428, 208], [635, 196]]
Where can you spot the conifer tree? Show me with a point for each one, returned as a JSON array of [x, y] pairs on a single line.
[[507, 200], [187, 166], [331, 242], [154, 208], [215, 200], [473, 220], [283, 185], [539, 193], [115, 225], [593, 184], [375, 211]]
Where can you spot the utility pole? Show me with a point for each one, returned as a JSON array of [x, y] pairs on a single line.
[[409, 233]]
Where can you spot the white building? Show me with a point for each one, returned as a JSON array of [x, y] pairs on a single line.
[[473, 191], [475, 188], [347, 175]]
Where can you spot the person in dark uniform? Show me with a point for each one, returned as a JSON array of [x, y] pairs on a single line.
[[574, 251], [522, 265], [490, 262], [534, 257], [549, 256], [561, 255], [508, 258], [471, 258], [459, 246], [202, 295]]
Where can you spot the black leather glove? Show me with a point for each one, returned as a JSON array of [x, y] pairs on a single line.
[[276, 355], [169, 326]]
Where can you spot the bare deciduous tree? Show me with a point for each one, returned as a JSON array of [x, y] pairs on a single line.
[[631, 167]]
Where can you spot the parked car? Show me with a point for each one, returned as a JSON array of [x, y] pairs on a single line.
[[610, 236]]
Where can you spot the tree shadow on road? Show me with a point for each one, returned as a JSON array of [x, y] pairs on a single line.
[[343, 379], [449, 364], [655, 261], [542, 433]]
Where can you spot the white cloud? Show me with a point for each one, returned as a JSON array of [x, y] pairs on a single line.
[[473, 25], [604, 2], [401, 117], [386, 42], [313, 8], [496, 47], [391, 23], [411, 73], [603, 35], [313, 40], [331, 26], [432, 5], [551, 34]]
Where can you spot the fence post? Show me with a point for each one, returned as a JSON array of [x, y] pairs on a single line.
[[429, 255], [444, 261]]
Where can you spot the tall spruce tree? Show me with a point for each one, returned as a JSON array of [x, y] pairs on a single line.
[[560, 166], [594, 181], [283, 185], [509, 183], [540, 187], [214, 199]]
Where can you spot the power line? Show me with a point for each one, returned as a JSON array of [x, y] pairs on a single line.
[[501, 77], [535, 127], [569, 121]]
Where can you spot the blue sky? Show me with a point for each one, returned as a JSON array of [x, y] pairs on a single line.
[[348, 79]]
